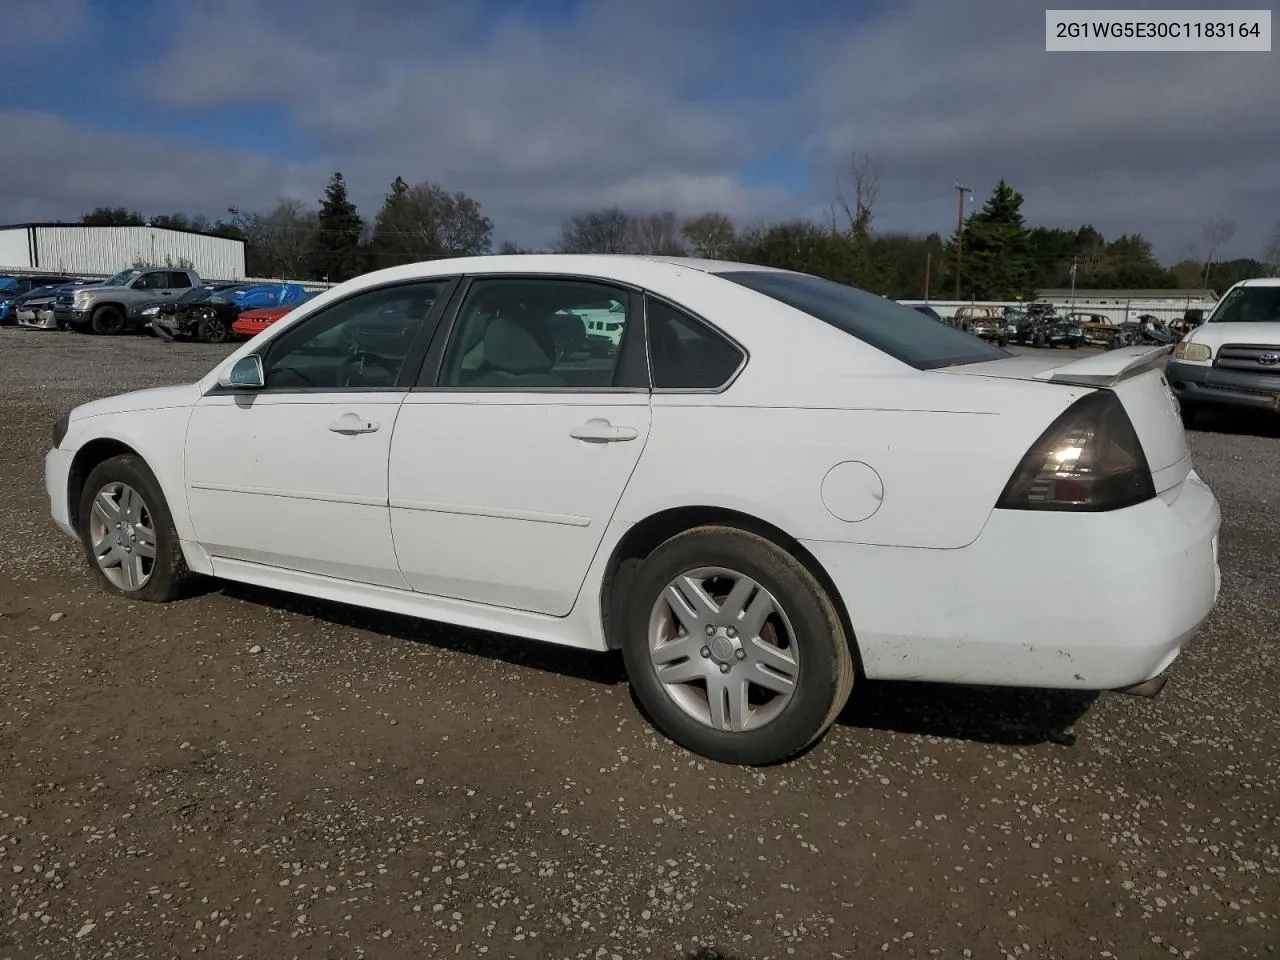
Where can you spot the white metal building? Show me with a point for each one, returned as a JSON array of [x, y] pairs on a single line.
[[89, 250]]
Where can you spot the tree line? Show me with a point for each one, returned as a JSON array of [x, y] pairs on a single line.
[[994, 255]]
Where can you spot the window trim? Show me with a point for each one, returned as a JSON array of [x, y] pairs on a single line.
[[428, 380], [744, 355], [413, 360]]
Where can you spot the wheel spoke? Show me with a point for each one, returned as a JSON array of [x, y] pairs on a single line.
[[125, 501], [105, 509], [673, 650], [130, 571], [736, 602], [754, 616], [685, 671], [727, 701], [772, 668], [689, 602]]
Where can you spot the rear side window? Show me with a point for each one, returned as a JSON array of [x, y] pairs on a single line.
[[904, 334], [685, 354], [179, 279]]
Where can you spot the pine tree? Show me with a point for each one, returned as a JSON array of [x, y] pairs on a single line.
[[335, 253], [997, 262]]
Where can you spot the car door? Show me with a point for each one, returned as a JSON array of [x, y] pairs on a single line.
[[294, 474], [509, 458]]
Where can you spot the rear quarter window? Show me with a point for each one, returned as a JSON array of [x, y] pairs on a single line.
[[892, 328]]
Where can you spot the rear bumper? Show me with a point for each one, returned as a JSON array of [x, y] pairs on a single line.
[[1196, 383], [1090, 602]]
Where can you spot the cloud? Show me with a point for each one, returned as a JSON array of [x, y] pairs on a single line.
[[55, 169], [665, 104], [1157, 143]]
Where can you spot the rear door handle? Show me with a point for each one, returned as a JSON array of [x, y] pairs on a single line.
[[602, 431], [351, 424]]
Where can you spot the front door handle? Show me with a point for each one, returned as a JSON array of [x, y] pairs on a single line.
[[351, 424], [602, 431]]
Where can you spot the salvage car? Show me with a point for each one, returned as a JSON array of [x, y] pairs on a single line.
[[37, 308], [749, 496], [13, 289], [202, 313]]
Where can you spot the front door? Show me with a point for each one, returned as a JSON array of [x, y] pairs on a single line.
[[508, 461], [295, 475]]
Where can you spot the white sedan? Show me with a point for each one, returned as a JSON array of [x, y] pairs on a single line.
[[765, 485]]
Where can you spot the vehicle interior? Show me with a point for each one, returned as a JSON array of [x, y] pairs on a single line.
[[512, 333]]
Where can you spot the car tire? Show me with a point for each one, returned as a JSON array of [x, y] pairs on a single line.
[[816, 651], [107, 321], [141, 518], [213, 330]]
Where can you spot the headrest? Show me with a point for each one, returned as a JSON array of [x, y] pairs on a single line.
[[510, 346]]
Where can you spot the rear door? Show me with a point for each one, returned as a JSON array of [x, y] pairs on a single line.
[[509, 458]]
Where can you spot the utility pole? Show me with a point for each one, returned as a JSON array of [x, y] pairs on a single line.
[[962, 190], [928, 263]]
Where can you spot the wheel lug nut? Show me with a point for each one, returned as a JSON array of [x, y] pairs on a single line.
[[741, 654], [732, 631], [705, 651], [724, 668], [710, 629]]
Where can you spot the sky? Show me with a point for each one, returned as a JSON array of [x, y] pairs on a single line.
[[540, 110]]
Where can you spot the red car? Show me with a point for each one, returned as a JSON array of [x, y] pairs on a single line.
[[253, 322]]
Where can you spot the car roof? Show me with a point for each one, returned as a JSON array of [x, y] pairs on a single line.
[[1260, 282], [635, 268]]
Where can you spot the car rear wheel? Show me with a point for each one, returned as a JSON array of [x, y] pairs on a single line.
[[108, 320], [128, 533], [734, 648]]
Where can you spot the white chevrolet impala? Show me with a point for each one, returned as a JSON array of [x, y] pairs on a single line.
[[760, 485]]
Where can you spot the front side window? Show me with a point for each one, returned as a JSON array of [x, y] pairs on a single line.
[[1248, 305], [157, 280], [360, 343], [684, 354], [517, 333], [904, 334]]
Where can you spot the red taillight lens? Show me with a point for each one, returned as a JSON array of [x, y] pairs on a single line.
[[1090, 459]]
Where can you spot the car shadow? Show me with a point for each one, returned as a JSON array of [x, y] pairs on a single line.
[[1006, 716], [1242, 423], [606, 669], [994, 715]]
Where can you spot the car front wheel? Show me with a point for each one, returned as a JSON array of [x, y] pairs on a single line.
[[128, 533], [734, 648]]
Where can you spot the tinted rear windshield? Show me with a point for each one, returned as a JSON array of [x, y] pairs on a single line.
[[901, 332]]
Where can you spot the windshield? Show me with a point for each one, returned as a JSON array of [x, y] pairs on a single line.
[[904, 334], [121, 278], [1248, 305]]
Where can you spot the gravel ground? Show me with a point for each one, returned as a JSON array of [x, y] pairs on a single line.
[[246, 774]]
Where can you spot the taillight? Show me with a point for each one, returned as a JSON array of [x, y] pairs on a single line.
[[1090, 459]]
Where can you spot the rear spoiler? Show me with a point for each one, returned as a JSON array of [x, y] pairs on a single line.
[[1108, 369]]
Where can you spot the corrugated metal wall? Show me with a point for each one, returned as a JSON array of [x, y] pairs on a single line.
[[109, 249], [14, 249]]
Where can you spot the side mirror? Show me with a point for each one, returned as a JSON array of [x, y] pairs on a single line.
[[244, 374]]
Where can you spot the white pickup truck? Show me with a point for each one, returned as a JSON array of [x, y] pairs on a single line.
[[1233, 358]]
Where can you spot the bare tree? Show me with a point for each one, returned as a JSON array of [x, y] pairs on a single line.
[[711, 235], [1271, 253], [659, 234], [278, 241], [1214, 235], [864, 175], [610, 230]]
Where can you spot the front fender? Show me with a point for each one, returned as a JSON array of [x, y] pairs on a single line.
[[158, 436]]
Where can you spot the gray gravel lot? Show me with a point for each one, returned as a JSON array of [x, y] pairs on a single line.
[[246, 774]]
